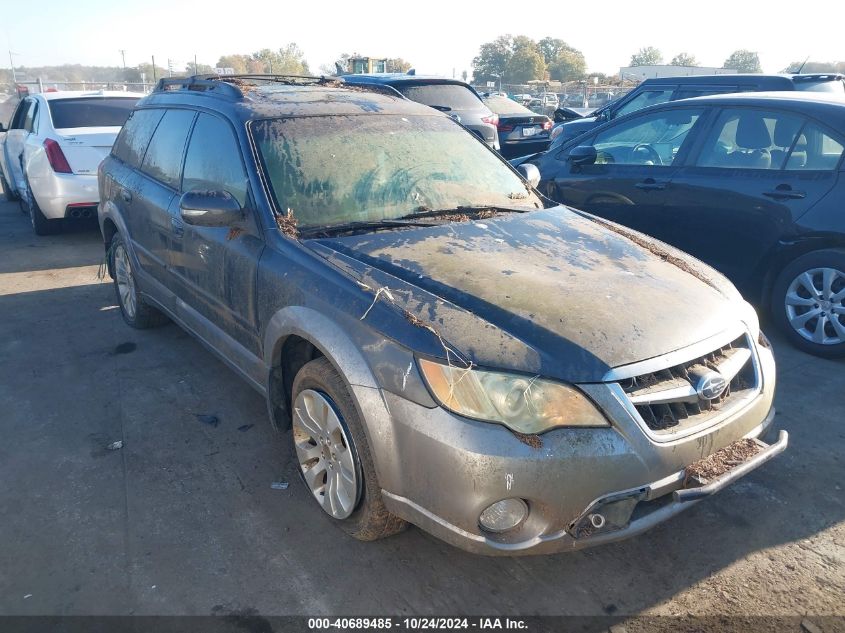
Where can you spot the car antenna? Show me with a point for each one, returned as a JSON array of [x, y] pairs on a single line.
[[801, 67]]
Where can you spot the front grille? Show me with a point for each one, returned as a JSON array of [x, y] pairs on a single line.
[[668, 400]]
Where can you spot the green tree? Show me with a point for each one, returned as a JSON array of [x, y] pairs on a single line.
[[526, 62], [648, 56], [684, 59], [240, 63], [552, 47], [569, 65], [398, 65], [744, 61], [492, 59]]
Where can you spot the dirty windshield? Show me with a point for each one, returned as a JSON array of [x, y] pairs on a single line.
[[343, 169]]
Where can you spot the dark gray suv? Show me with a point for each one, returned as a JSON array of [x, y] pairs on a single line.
[[443, 346]]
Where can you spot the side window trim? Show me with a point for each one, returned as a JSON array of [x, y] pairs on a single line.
[[836, 136], [140, 167], [235, 138]]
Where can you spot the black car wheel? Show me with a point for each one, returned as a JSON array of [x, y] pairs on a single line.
[[136, 312], [808, 302], [334, 456]]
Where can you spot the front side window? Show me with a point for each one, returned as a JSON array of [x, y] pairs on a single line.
[[748, 138], [213, 161], [131, 143], [645, 99], [651, 139], [163, 159], [341, 169], [91, 111]]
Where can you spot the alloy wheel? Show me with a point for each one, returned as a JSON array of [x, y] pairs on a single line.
[[326, 458], [125, 281], [815, 305]]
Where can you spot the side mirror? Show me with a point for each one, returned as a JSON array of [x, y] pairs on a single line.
[[583, 155], [530, 172], [209, 208]]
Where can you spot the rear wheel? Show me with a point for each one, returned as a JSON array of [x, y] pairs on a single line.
[[40, 224], [333, 454], [808, 302], [136, 312]]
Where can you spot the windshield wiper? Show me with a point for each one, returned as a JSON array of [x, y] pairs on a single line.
[[423, 212], [364, 225]]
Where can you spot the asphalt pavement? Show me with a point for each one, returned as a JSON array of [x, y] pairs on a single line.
[[183, 520]]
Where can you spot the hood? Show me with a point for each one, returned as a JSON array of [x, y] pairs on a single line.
[[552, 291]]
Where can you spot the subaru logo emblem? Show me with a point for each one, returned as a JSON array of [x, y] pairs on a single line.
[[711, 385]]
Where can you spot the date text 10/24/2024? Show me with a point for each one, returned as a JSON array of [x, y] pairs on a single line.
[[417, 624]]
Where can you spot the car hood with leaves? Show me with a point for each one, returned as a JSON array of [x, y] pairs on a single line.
[[553, 292]]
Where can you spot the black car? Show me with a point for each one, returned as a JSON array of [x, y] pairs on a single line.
[[521, 131], [662, 89], [752, 184], [452, 96]]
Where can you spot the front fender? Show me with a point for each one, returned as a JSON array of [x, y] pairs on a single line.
[[345, 354]]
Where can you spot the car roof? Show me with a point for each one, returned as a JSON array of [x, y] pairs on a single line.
[[742, 78], [391, 79], [819, 104], [76, 94], [265, 98]]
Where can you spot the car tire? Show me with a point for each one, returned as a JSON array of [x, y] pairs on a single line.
[[11, 195], [135, 310], [40, 223], [340, 433], [808, 303]]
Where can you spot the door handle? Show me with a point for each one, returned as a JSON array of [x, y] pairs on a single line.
[[650, 184], [785, 192], [126, 195]]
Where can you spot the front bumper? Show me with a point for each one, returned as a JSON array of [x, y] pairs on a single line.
[[452, 468], [58, 195]]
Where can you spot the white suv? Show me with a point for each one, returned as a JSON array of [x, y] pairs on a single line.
[[50, 154]]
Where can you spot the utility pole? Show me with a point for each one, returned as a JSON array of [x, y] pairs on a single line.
[[123, 57], [169, 67], [12, 65], [154, 69], [196, 67]]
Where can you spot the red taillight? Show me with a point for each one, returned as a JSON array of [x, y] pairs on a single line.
[[505, 128], [493, 119], [547, 125], [56, 157]]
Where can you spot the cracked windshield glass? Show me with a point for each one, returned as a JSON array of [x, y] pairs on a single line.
[[342, 169]]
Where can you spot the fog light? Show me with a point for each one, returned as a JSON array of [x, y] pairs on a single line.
[[503, 515]]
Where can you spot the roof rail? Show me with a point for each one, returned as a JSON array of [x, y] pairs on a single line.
[[288, 79], [199, 83]]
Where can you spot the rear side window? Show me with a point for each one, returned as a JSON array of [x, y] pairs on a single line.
[[750, 139], [91, 111], [163, 160], [815, 149], [213, 161], [451, 96], [133, 139]]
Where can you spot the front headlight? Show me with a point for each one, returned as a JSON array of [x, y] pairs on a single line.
[[523, 404]]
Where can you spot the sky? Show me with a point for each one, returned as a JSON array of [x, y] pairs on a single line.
[[437, 36]]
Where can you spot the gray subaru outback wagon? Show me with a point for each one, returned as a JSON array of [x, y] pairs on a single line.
[[443, 346]]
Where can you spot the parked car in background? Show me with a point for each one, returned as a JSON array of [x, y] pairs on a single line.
[[520, 130], [752, 184], [50, 153], [456, 98], [663, 89], [446, 347]]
